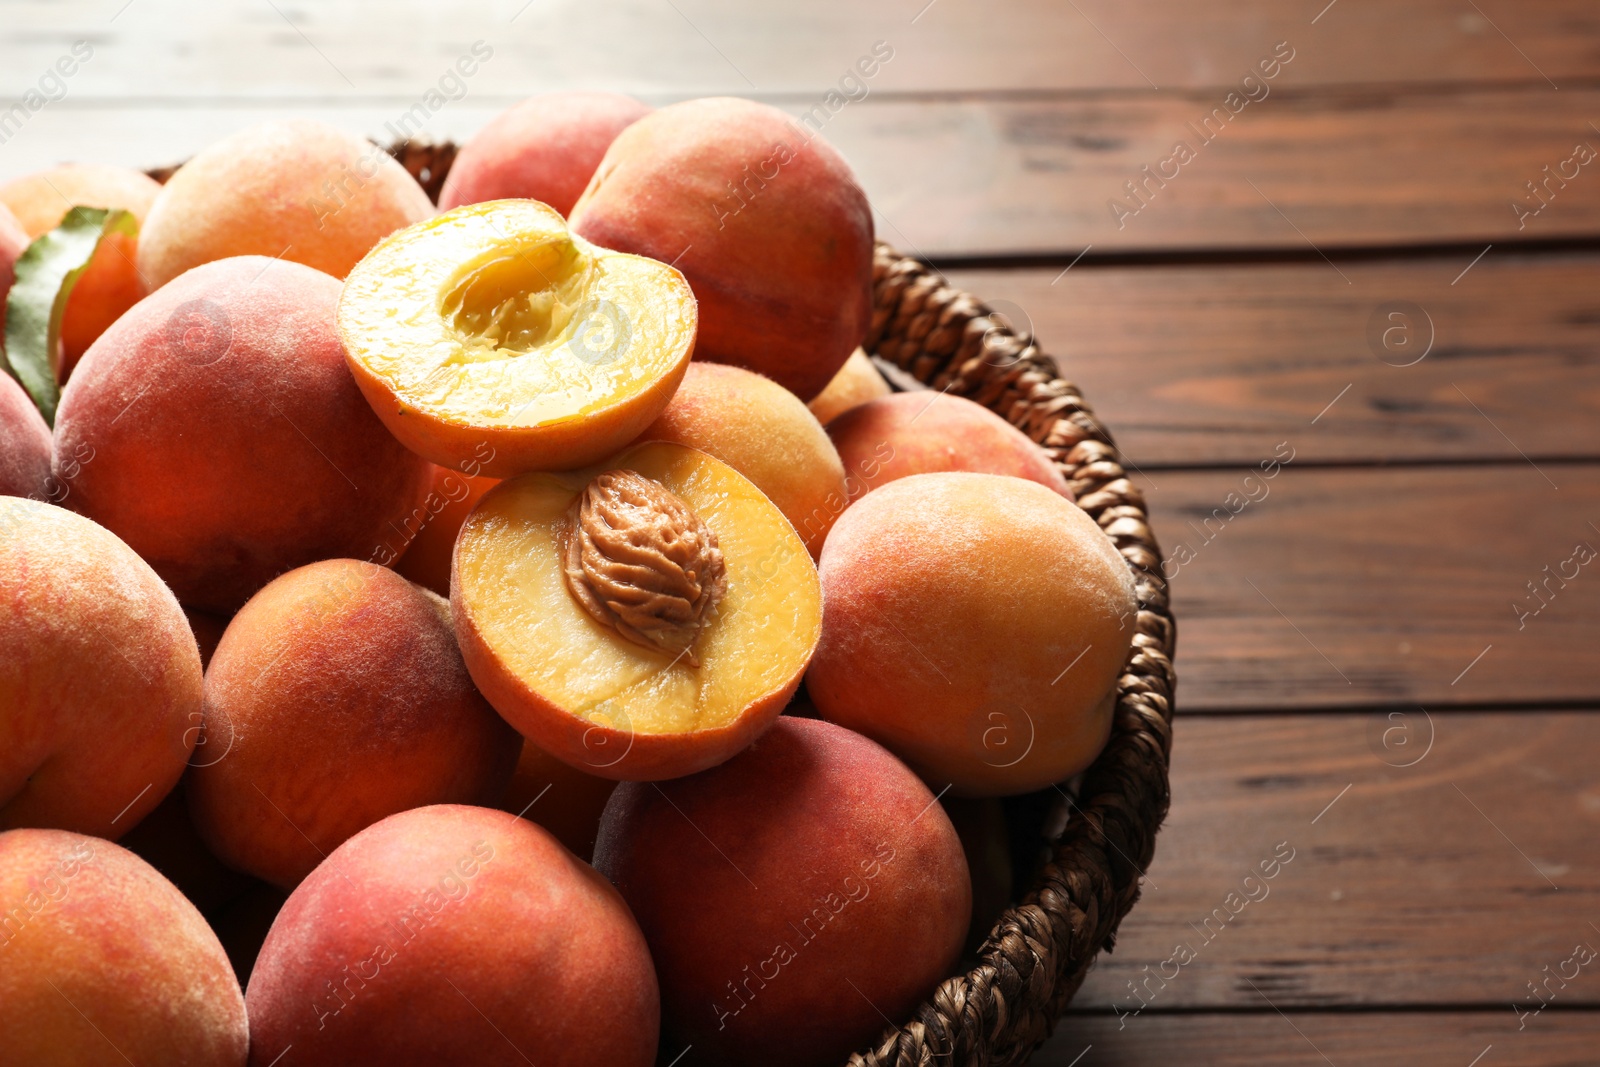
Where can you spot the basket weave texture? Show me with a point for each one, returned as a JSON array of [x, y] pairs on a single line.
[[1041, 948]]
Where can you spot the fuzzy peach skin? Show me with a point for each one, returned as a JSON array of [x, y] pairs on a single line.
[[974, 624], [451, 498], [230, 441], [24, 442], [926, 432], [111, 284], [13, 242], [761, 215], [341, 698], [106, 962], [562, 799], [545, 148], [789, 895], [857, 382], [294, 189], [448, 936], [764, 432], [100, 680]]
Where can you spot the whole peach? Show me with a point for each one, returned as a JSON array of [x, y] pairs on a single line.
[[100, 682], [926, 432], [450, 936], [974, 624], [761, 215], [560, 798], [545, 148], [339, 697], [13, 242], [110, 285], [294, 189], [857, 382], [230, 441], [106, 962], [764, 432], [24, 442], [763, 884], [432, 536]]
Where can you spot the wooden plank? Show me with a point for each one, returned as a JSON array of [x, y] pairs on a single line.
[[1217, 365], [965, 177], [1377, 586], [1452, 881], [693, 47], [1400, 1039]]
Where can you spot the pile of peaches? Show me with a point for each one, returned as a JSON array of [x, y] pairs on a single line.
[[527, 630]]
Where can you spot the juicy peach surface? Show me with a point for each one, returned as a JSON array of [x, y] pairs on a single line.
[[857, 382], [605, 705], [764, 432], [294, 189], [111, 283], [797, 899], [106, 962], [762, 216], [229, 441], [337, 697], [24, 442], [100, 681], [448, 936], [492, 340], [975, 625], [545, 148], [927, 432]]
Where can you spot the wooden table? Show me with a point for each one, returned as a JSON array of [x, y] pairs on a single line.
[[1388, 651]]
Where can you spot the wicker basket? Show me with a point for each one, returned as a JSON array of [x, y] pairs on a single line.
[[1091, 848]]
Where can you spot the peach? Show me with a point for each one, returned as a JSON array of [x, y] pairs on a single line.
[[340, 698], [490, 335], [559, 798], [454, 935], [975, 625], [857, 382], [796, 899], [296, 189], [230, 442], [13, 242], [100, 682], [762, 216], [764, 432], [106, 962], [644, 619], [927, 432], [545, 148], [450, 499], [24, 442], [111, 283]]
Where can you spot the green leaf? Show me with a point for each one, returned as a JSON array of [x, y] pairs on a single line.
[[45, 276]]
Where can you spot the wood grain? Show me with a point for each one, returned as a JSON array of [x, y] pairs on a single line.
[[1379, 586], [1310, 1039], [1308, 172], [1452, 881], [1215, 365], [697, 47]]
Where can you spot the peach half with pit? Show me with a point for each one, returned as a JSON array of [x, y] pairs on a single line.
[[492, 330], [640, 620]]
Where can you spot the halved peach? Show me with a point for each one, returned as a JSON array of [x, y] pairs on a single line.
[[640, 620], [491, 330]]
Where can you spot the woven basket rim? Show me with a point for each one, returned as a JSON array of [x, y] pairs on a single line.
[[1043, 944]]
